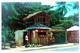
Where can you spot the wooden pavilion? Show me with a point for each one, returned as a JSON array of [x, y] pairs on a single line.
[[38, 34]]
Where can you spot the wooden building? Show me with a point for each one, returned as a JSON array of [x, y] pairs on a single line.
[[37, 30], [73, 34], [38, 27]]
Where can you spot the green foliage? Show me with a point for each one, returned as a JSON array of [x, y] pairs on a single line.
[[62, 8], [59, 37]]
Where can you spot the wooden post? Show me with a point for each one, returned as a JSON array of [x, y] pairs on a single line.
[[66, 37], [47, 36]]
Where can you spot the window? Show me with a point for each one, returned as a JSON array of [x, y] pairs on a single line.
[[42, 33]]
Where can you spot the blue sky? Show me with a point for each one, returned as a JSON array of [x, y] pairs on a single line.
[[72, 11]]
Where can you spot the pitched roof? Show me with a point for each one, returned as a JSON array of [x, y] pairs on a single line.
[[31, 15], [38, 26], [73, 28]]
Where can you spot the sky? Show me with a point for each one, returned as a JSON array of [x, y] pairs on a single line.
[[71, 11]]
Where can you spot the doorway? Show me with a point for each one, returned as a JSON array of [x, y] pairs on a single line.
[[24, 41], [42, 37]]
